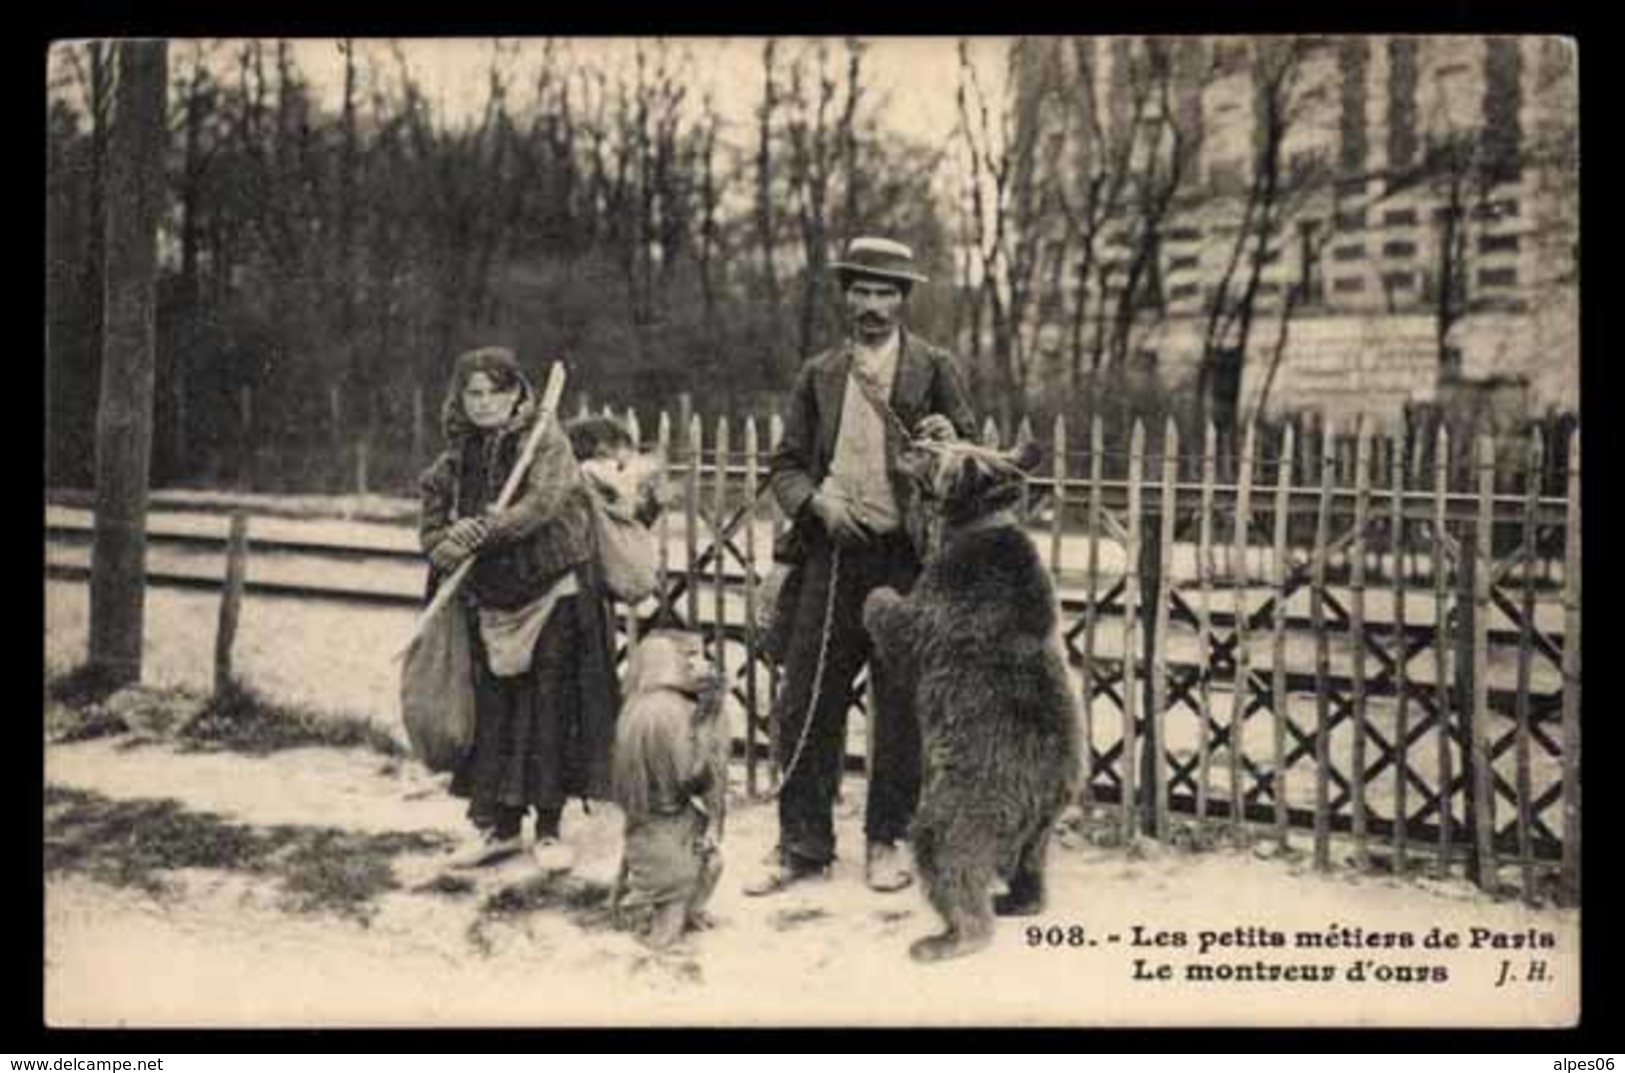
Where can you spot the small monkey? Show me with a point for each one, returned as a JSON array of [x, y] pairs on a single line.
[[670, 780]]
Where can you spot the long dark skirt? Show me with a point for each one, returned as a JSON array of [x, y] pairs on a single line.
[[543, 736]]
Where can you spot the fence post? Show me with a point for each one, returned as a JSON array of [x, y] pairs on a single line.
[[1478, 695], [1096, 462], [1357, 570], [1570, 874], [245, 438], [1156, 557], [719, 548], [420, 439], [1327, 460], [1131, 644], [231, 599], [1278, 685], [1238, 701], [751, 702], [1526, 815], [1441, 637], [335, 432]]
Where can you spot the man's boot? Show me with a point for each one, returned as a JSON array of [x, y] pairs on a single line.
[[886, 867], [787, 871]]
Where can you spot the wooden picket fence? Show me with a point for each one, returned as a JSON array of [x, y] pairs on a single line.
[[1373, 643]]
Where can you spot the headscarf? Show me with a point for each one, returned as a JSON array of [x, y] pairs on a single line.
[[501, 367]]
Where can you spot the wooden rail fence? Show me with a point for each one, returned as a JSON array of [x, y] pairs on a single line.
[[1374, 648], [1342, 639]]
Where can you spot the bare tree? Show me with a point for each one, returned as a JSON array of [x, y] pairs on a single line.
[[1010, 197], [1275, 190], [821, 114], [124, 415]]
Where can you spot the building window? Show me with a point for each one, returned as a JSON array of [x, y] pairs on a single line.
[[1398, 281], [1184, 234], [1351, 221], [1402, 79], [1182, 291], [1498, 244], [1503, 99], [1348, 285], [1399, 249], [1226, 178], [1309, 279], [1502, 209], [1498, 277], [1399, 217], [1348, 253], [1353, 61], [1178, 264]]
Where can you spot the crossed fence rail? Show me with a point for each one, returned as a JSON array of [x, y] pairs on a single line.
[[1378, 645]]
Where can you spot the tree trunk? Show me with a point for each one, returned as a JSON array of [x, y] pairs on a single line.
[[124, 415]]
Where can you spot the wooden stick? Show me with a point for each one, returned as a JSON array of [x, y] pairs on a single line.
[[1283, 492], [1483, 770], [1357, 560], [510, 487], [231, 599], [1570, 873], [1317, 616]]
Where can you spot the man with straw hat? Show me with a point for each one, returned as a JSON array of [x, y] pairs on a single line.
[[856, 527]]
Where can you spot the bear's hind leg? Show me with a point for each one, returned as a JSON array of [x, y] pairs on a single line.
[[959, 892], [1026, 882]]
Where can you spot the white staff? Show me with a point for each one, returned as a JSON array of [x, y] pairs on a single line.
[[549, 405]]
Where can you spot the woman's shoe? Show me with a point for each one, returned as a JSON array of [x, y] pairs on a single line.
[[553, 855], [490, 849]]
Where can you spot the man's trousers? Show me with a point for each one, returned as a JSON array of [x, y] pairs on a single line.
[[806, 802]]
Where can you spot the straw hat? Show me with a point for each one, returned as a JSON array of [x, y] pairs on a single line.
[[870, 256]]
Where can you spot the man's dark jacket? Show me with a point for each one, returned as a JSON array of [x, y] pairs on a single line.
[[926, 382]]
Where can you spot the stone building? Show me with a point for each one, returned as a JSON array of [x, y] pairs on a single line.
[[1421, 243]]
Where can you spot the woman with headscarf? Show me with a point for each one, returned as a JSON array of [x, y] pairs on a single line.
[[545, 688]]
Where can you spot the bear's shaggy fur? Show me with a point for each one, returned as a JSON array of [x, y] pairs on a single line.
[[999, 722]]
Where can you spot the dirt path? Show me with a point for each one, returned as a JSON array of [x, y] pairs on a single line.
[[229, 946]]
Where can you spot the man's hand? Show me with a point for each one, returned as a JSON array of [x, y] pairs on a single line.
[[838, 519], [935, 427]]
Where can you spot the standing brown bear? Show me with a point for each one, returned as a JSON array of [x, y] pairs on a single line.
[[977, 638]]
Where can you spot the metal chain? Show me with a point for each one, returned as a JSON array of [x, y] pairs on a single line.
[[818, 673]]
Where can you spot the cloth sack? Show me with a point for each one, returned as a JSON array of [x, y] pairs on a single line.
[[777, 594], [627, 553], [510, 636], [437, 690]]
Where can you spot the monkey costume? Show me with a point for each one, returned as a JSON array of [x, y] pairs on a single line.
[[670, 779]]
